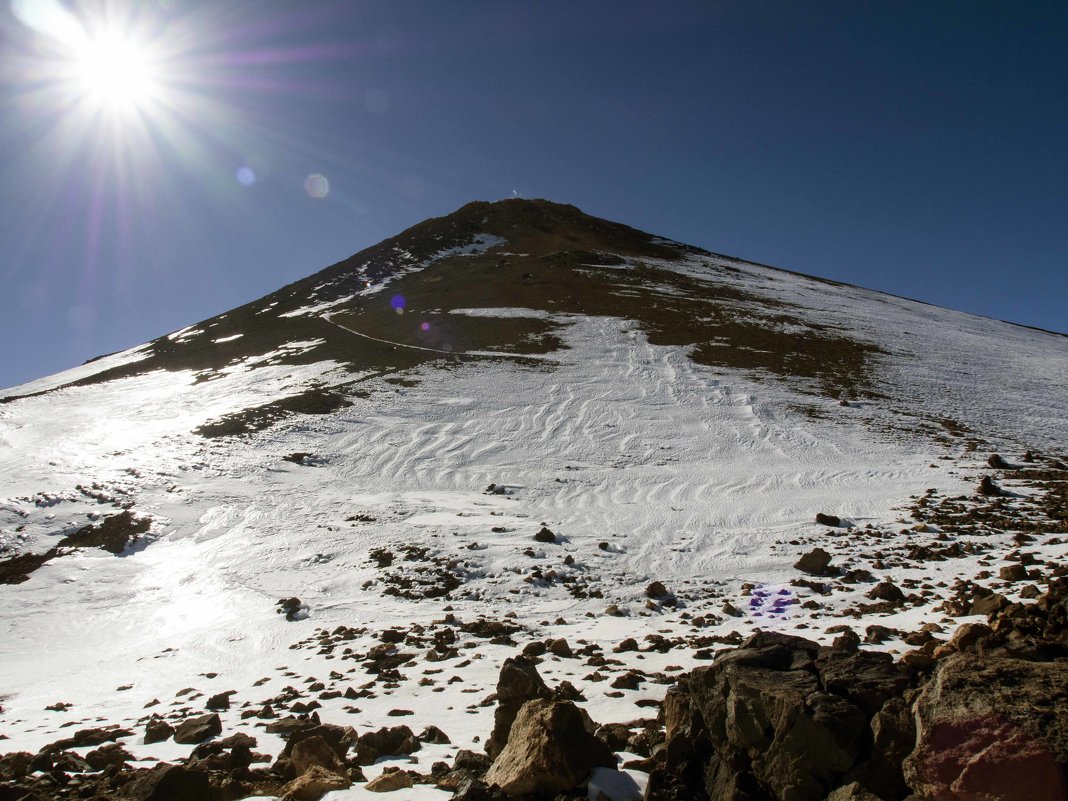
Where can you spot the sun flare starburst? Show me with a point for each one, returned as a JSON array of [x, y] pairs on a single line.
[[119, 74]]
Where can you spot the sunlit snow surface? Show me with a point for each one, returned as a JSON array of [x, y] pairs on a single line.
[[694, 476]]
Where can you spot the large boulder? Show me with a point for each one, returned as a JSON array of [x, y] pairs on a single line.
[[778, 719], [518, 683], [990, 728], [549, 751], [170, 783]]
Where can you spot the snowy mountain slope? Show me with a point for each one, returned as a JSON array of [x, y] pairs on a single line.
[[668, 414]]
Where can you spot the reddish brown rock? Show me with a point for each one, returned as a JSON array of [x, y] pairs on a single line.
[[549, 751]]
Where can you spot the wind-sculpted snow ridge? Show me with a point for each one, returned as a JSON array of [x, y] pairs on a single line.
[[346, 514]]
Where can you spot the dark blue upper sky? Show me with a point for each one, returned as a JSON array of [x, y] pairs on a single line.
[[920, 148]]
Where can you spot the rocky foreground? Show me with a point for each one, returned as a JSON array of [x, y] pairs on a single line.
[[980, 717]]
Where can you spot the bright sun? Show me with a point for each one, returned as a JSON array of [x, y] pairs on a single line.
[[119, 74]]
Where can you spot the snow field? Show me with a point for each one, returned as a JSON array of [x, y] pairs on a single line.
[[691, 476]]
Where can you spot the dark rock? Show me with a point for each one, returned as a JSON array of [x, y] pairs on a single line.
[[545, 536], [1013, 573], [969, 635], [393, 741], [474, 789], [518, 683], [559, 647], [114, 533], [231, 753], [854, 791], [194, 730], [292, 608], [17, 569], [988, 727], [288, 725], [170, 783], [68, 762], [472, 762], [549, 751], [536, 648], [566, 691], [815, 562], [15, 765], [866, 678], [828, 520], [315, 751], [777, 718], [731, 610], [893, 735], [886, 591], [988, 604], [111, 755], [988, 487], [220, 700], [614, 735], [314, 784], [157, 730], [434, 735], [848, 640], [998, 462], [656, 590], [630, 680]]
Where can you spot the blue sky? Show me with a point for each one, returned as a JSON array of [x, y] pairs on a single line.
[[917, 148]]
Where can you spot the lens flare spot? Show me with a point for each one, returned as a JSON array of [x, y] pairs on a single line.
[[398, 303], [246, 176], [316, 185], [771, 603], [424, 326]]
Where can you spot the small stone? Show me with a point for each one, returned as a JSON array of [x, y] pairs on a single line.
[[220, 701], [886, 591], [1013, 573], [157, 731], [434, 735], [545, 536], [390, 782], [559, 647]]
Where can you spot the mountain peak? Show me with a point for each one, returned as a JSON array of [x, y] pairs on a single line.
[[519, 414], [507, 279]]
